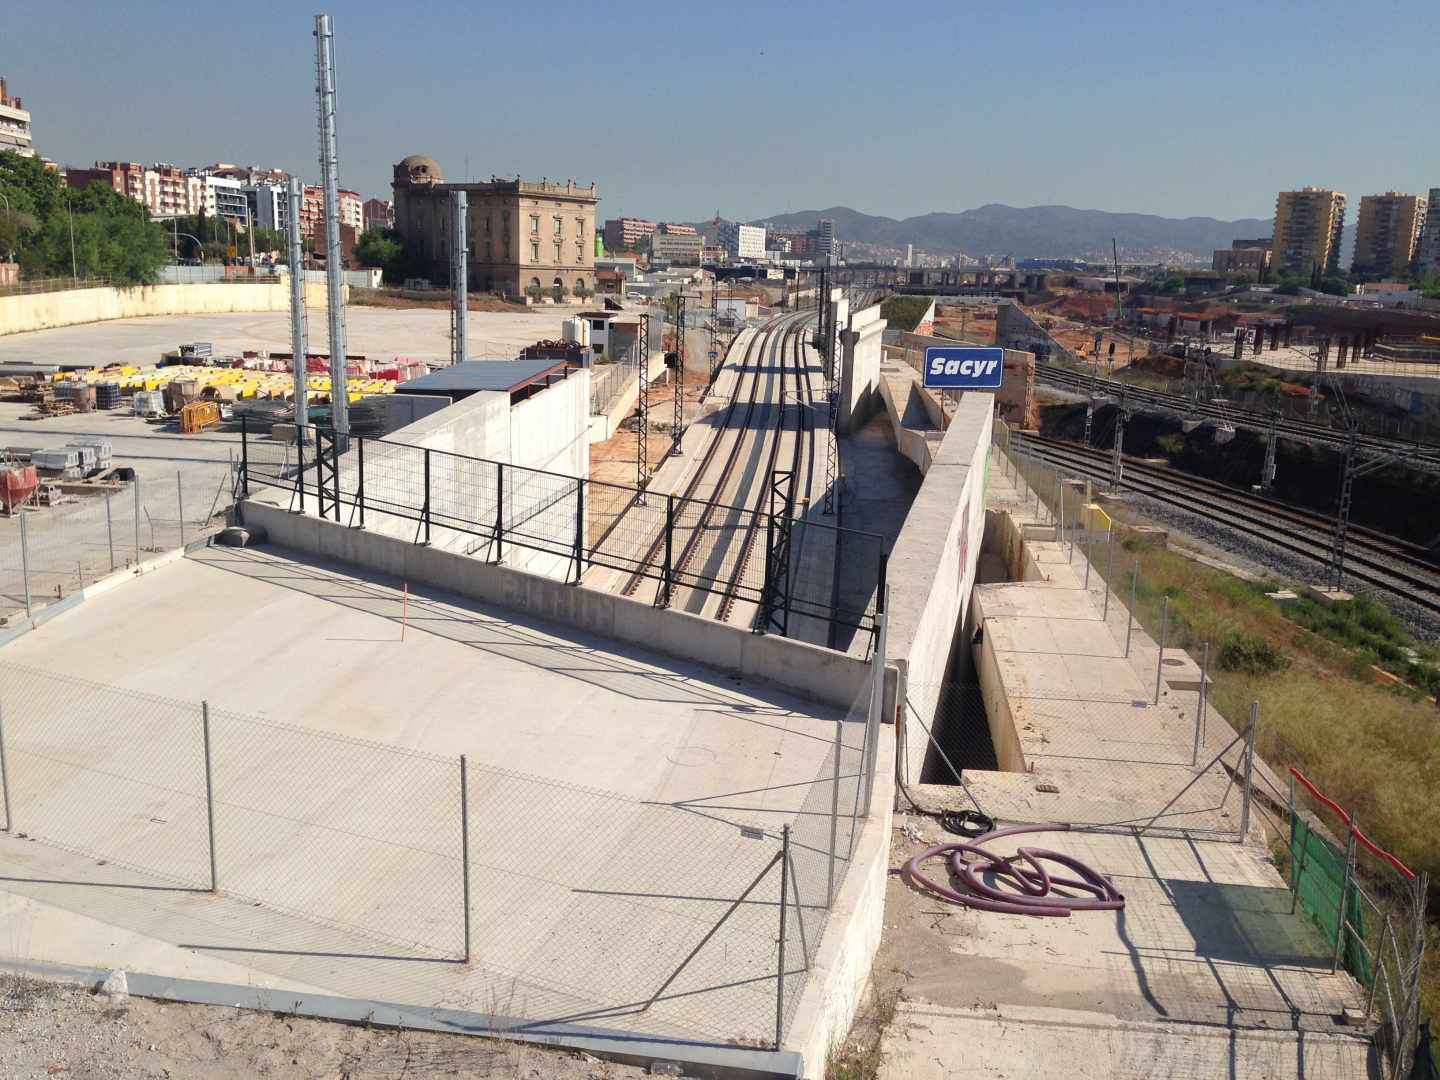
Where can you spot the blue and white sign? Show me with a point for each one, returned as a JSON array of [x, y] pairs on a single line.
[[963, 368]]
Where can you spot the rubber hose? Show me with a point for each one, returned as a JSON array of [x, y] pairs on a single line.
[[1025, 870]]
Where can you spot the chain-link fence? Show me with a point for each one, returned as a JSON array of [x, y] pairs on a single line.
[[561, 526], [49, 552], [697, 920]]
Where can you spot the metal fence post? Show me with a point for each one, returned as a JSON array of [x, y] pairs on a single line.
[[180, 505], [209, 791], [1344, 896], [1110, 570], [1247, 791], [25, 558], [135, 486], [669, 583], [245, 455], [1060, 536], [300, 463], [1089, 556], [1200, 708], [465, 848], [873, 713], [780, 966], [1296, 868], [834, 814], [1160, 659], [500, 512], [425, 513], [1130, 615], [360, 481], [110, 528], [5, 776], [579, 529]]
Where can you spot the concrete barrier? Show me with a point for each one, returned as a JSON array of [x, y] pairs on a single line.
[[44, 311], [806, 671], [932, 572]]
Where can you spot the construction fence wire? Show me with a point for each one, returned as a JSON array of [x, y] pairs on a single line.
[[49, 552], [687, 920], [560, 526]]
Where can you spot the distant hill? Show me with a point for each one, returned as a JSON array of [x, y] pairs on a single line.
[[1030, 232]]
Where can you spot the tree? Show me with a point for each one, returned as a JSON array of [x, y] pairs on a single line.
[[378, 247]]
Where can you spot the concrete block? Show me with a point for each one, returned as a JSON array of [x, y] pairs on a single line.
[[1323, 594], [1284, 597], [1155, 534]]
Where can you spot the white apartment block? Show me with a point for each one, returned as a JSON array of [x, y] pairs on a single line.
[[742, 242]]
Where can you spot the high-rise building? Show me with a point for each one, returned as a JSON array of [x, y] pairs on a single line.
[[1308, 224], [1387, 234], [742, 242], [270, 205], [628, 232], [826, 248], [14, 124], [1428, 257], [352, 210]]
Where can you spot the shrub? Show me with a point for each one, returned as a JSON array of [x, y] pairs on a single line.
[[1251, 655]]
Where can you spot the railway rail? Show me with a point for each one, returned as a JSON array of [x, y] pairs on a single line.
[[1386, 563]]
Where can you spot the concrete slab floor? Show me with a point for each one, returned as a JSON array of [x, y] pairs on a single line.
[[1204, 973], [338, 859]]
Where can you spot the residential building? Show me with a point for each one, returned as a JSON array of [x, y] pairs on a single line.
[[126, 177], [1387, 234], [1236, 259], [825, 231], [167, 191], [352, 210], [628, 232], [675, 228], [226, 198], [379, 214], [804, 245], [312, 208], [270, 205], [777, 243], [742, 242], [14, 124], [522, 234], [676, 249], [1308, 224], [1429, 255]]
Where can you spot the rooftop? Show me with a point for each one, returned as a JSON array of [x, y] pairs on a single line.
[[474, 376]]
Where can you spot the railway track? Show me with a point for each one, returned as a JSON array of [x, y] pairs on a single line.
[[716, 471], [1386, 563]]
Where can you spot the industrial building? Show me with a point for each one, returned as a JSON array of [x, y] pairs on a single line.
[[742, 241], [676, 249], [1308, 224], [1248, 256], [1388, 234], [524, 236]]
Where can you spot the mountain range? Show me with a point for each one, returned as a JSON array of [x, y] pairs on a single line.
[[1030, 231]]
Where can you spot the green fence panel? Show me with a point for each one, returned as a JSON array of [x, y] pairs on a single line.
[[1319, 870]]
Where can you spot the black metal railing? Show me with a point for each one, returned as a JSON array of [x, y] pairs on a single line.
[[555, 524]]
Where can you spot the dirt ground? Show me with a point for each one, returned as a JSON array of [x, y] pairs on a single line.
[[49, 1030], [971, 322], [377, 298]]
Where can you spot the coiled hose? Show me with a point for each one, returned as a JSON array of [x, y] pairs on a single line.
[[1025, 870]]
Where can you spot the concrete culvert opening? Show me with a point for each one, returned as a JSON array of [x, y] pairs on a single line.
[[961, 734]]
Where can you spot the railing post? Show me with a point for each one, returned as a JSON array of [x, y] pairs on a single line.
[[245, 454], [1247, 791], [1200, 707], [180, 505], [834, 814], [1130, 615], [135, 487], [465, 848], [872, 713], [300, 463], [780, 966], [5, 776], [1160, 657], [500, 512], [110, 529], [668, 582], [209, 792], [25, 558], [579, 528], [425, 512], [320, 472], [1344, 896], [1109, 571], [360, 481]]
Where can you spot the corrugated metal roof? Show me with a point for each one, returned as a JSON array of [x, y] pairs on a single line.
[[474, 376]]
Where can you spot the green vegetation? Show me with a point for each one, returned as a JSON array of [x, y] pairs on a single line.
[[1172, 445], [55, 231], [904, 312], [383, 248]]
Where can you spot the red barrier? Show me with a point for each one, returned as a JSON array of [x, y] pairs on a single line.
[[1369, 845]]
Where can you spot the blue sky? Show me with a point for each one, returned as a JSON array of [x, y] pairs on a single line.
[[680, 110]]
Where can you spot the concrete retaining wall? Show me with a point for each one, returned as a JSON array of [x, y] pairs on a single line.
[[860, 367], [43, 311], [804, 670], [933, 568]]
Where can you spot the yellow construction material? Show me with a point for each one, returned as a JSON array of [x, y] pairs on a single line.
[[248, 383], [199, 415]]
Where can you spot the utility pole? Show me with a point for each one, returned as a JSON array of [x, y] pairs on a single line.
[[1117, 464], [329, 174], [642, 412], [1267, 471], [459, 284], [678, 426], [298, 347]]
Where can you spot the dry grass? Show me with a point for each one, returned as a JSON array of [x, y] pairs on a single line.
[[859, 1057]]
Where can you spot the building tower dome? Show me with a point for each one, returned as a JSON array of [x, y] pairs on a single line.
[[419, 169]]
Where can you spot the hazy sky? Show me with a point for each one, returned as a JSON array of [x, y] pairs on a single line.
[[679, 110]]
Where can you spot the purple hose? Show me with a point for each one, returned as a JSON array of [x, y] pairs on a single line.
[[1024, 871]]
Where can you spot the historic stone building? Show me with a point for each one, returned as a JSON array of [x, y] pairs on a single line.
[[523, 234]]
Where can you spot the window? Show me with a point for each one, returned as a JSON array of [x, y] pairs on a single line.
[[535, 251], [559, 225], [487, 224], [597, 324], [557, 251], [487, 251], [579, 251], [579, 228], [535, 224]]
